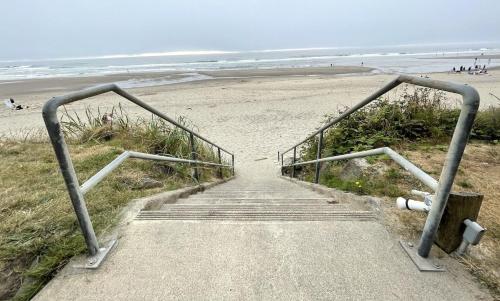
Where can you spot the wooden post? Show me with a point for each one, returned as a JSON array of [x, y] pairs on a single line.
[[460, 206], [293, 161]]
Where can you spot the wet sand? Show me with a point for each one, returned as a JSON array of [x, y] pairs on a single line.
[[28, 87]]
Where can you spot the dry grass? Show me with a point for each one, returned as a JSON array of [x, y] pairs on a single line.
[[39, 233], [479, 172]]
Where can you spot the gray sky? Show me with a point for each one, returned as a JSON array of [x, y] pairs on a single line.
[[62, 28]]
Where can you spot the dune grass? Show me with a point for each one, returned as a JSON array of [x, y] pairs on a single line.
[[38, 230]]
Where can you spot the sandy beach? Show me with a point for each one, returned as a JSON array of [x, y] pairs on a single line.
[[254, 113]]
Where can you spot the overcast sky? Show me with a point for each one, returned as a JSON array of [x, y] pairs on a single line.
[[62, 28]]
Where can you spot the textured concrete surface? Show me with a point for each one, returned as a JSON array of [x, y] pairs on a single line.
[[265, 260], [161, 260]]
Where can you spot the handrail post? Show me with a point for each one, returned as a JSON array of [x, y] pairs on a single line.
[[69, 175], [193, 156], [318, 156], [232, 163], [220, 162], [452, 162], [293, 161]]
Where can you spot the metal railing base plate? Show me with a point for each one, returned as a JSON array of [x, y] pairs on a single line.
[[423, 264], [93, 262]]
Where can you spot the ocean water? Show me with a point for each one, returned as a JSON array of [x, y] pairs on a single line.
[[394, 59]]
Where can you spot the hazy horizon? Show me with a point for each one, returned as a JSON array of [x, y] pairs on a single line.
[[39, 30], [215, 52]]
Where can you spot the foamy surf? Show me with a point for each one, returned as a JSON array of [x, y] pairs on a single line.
[[398, 59]]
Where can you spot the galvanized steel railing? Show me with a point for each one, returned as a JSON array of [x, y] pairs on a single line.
[[76, 191], [459, 140]]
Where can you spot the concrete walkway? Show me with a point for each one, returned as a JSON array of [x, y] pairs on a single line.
[[265, 239]]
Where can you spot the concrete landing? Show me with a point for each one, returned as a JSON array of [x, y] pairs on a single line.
[[258, 260]]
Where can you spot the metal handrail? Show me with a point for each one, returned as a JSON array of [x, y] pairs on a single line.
[[100, 175], [76, 192], [402, 161], [456, 149]]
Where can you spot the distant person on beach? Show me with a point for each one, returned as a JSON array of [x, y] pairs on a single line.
[[11, 104]]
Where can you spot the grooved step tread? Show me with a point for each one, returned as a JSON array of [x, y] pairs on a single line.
[[253, 197], [257, 214], [259, 201], [249, 202]]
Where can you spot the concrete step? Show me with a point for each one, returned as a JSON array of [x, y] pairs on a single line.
[[254, 201], [289, 191], [251, 188], [262, 206], [259, 198], [258, 215], [241, 194], [255, 187]]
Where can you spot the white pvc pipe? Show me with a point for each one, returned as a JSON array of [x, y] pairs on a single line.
[[420, 193], [409, 204]]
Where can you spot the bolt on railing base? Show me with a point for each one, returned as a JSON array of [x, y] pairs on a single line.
[[423, 264], [93, 262]]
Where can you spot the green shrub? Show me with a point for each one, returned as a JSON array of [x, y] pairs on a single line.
[[419, 117], [420, 114], [487, 124]]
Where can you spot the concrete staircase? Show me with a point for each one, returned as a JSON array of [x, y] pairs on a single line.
[[270, 200], [266, 239]]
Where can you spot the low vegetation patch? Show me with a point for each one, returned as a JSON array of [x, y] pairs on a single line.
[[419, 125], [420, 115], [38, 230]]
